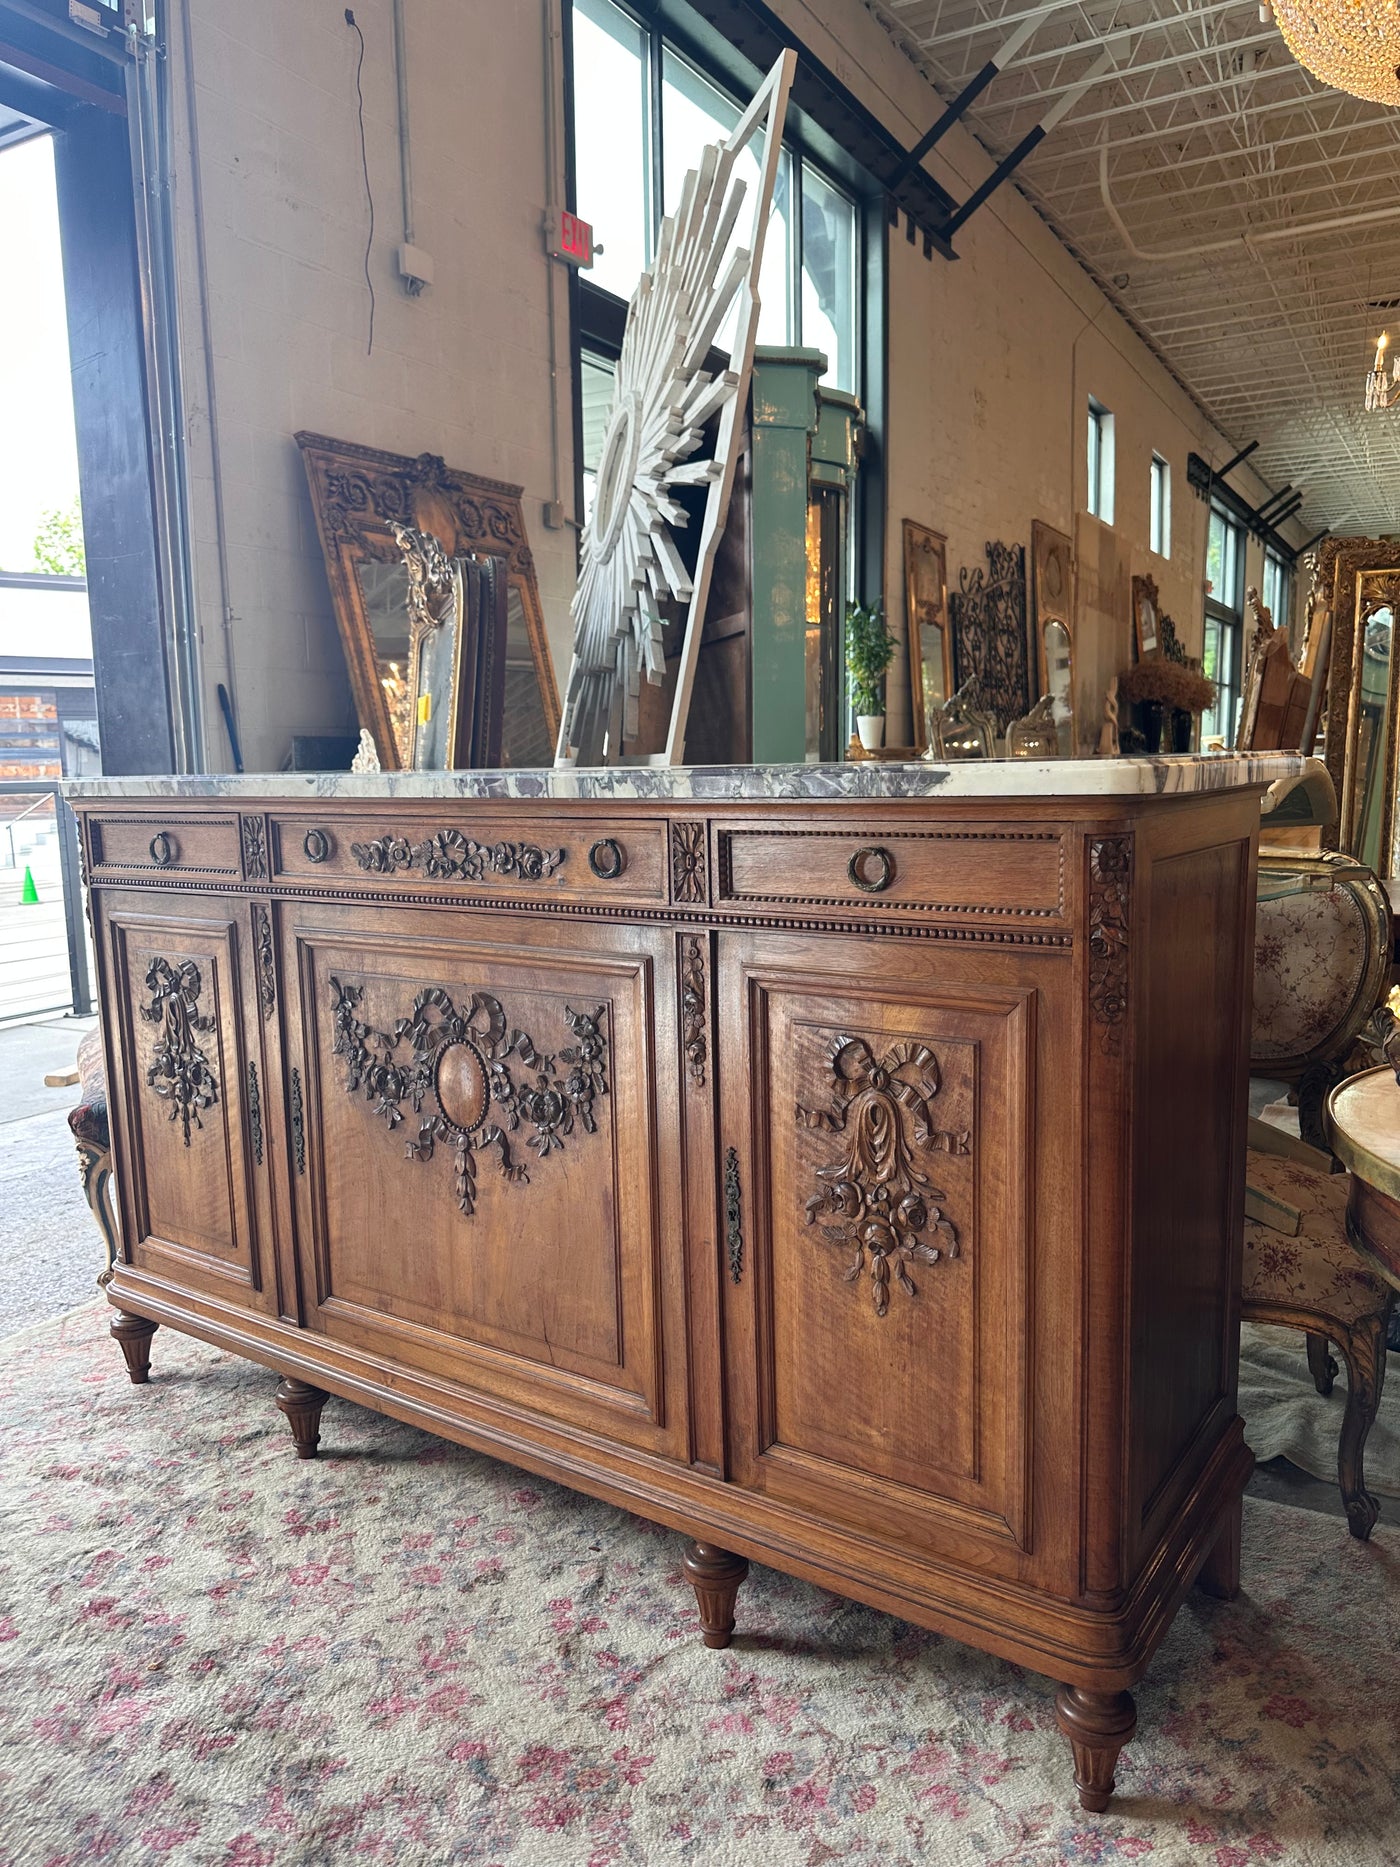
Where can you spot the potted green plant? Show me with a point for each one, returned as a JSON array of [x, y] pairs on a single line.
[[869, 651]]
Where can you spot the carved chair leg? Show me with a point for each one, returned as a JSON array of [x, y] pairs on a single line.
[[134, 1334], [95, 1171], [715, 1576], [1321, 1366], [302, 1405], [1220, 1572], [1364, 1348], [1098, 1725]]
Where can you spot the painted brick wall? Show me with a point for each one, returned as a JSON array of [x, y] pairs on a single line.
[[462, 371], [991, 359]]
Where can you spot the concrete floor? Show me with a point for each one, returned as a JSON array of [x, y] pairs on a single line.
[[50, 1248]]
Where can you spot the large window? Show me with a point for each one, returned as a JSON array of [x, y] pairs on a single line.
[[642, 114], [1224, 637], [1277, 588], [1100, 461], [1160, 508]]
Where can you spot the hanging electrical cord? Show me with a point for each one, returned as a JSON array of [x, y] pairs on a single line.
[[353, 23]]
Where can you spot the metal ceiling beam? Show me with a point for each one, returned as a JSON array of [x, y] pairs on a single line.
[[1197, 56], [1088, 151]]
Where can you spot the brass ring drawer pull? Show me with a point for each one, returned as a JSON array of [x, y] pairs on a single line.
[[164, 849], [317, 845], [871, 869], [607, 859]]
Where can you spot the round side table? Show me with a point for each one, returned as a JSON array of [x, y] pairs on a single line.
[[1363, 1122]]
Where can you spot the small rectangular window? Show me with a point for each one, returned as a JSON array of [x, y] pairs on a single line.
[[1160, 513], [1100, 461], [1277, 588]]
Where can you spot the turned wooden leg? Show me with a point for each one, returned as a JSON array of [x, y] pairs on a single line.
[[715, 1576], [1098, 1725], [302, 1405], [1364, 1349], [134, 1334], [1321, 1366], [1220, 1572]]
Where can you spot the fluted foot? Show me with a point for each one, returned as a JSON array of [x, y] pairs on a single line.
[[134, 1335], [302, 1405], [1098, 1725], [715, 1575], [1220, 1572]]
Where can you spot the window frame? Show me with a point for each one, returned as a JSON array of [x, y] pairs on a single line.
[[1281, 590], [597, 317], [1159, 511], [1100, 449], [1225, 613]]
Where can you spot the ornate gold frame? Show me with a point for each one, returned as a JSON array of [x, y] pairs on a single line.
[[1338, 562], [357, 492], [1387, 594], [1045, 542], [922, 538], [1146, 587]]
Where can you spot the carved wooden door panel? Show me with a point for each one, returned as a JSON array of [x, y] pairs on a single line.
[[877, 1140], [476, 1174], [192, 1133]]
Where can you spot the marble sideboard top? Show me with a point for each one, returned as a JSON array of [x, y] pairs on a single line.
[[716, 784]]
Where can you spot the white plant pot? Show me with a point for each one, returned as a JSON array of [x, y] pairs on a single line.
[[871, 727]]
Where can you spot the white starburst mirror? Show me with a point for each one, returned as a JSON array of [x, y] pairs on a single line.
[[673, 425]]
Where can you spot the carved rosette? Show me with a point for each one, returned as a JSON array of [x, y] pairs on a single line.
[[472, 1079], [449, 855], [693, 1020], [254, 834], [875, 1196], [179, 1071], [1110, 903], [688, 864]]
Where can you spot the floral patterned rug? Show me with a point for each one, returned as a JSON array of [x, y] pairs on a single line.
[[212, 1655]]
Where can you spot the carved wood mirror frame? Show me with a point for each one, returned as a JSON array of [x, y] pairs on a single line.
[[1340, 563], [1052, 602], [357, 492], [926, 608]]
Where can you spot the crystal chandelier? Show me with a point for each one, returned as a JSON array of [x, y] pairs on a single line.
[[1382, 392], [1353, 45]]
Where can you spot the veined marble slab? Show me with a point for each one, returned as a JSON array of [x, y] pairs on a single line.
[[873, 779]]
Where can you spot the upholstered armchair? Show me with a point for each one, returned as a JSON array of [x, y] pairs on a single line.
[[1322, 964]]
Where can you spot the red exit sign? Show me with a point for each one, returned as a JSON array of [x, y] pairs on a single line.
[[569, 238]]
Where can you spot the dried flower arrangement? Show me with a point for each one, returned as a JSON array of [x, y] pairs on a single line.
[[1156, 678]]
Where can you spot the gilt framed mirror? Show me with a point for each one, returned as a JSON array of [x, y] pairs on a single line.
[[1052, 623], [926, 607], [358, 495]]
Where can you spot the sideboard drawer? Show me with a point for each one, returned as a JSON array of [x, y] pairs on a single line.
[[175, 844], [971, 871], [550, 857]]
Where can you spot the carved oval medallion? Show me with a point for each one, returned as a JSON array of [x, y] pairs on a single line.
[[463, 1087]]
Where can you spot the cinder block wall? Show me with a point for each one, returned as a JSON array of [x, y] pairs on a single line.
[[991, 360]]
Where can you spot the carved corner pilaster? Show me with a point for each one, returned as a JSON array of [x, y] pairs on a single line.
[[1110, 920]]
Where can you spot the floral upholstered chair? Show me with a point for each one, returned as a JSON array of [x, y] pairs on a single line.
[[1322, 962]]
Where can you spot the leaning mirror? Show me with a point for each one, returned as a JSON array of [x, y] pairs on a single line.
[[358, 495], [926, 604], [1368, 796]]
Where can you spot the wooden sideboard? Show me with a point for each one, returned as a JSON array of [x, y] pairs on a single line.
[[855, 1186]]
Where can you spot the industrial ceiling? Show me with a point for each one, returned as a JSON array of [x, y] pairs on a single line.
[[1241, 215]]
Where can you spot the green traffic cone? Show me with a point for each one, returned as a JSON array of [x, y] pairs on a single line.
[[29, 894]]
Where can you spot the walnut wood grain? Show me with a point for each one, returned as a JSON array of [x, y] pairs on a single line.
[[876, 1263]]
